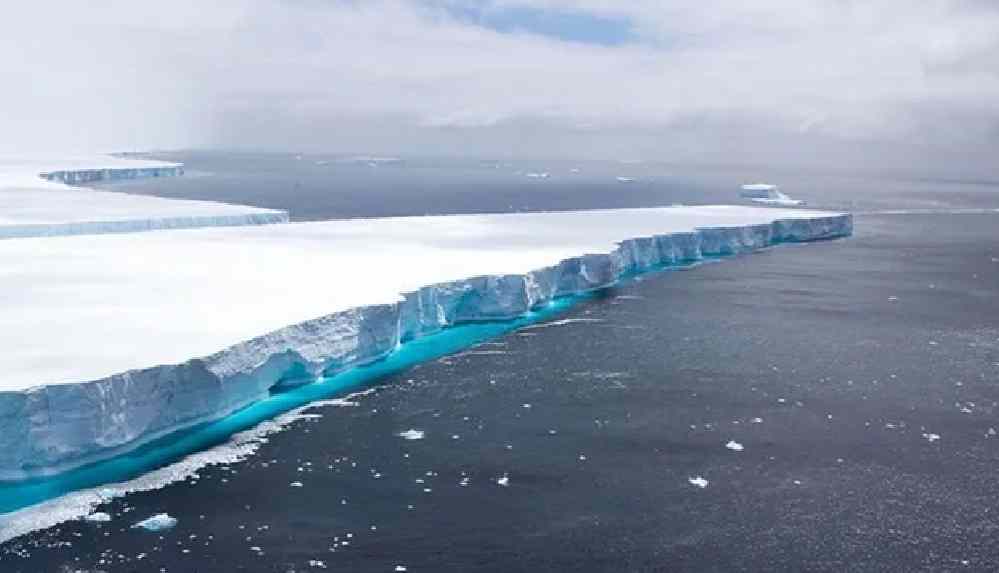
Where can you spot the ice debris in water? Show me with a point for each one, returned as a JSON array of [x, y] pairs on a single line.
[[295, 484], [931, 437], [411, 434], [698, 481], [97, 517], [734, 446], [503, 481], [158, 522], [400, 568]]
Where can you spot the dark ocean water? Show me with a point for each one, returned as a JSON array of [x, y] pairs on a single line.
[[860, 378]]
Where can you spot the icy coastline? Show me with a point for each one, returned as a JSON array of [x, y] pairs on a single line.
[[95, 175], [38, 198], [52, 428]]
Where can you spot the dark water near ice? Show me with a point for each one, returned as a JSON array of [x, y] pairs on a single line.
[[834, 365]]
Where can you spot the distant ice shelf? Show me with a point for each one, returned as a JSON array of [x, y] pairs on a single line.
[[37, 200], [112, 340]]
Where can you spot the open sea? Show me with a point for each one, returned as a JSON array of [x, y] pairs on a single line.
[[821, 407]]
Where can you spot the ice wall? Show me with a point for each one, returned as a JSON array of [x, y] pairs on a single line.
[[152, 223], [78, 176], [48, 429]]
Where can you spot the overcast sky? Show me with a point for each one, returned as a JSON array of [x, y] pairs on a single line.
[[900, 82]]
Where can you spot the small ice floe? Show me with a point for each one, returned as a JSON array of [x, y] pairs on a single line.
[[756, 421], [158, 522], [97, 517], [536, 175], [317, 564], [400, 569], [931, 437], [991, 432], [698, 481], [734, 446], [892, 298], [411, 434], [295, 484], [503, 481], [625, 179]]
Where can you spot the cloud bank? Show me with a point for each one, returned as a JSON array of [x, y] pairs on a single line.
[[794, 81]]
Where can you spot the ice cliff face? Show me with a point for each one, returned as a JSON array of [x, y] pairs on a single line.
[[49, 429], [141, 224], [78, 176]]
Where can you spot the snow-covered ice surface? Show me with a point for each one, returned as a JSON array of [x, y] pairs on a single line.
[[36, 199], [112, 340]]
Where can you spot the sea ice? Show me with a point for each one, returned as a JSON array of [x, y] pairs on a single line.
[[158, 522], [698, 481]]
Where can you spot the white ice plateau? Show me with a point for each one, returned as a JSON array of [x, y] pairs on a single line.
[[112, 340], [38, 198]]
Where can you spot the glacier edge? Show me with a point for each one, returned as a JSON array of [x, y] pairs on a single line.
[[53, 428]]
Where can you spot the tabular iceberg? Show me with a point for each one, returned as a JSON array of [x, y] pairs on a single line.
[[347, 275], [36, 200]]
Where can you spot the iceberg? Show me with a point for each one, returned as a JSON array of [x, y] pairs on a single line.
[[37, 199], [157, 523], [767, 194], [112, 340]]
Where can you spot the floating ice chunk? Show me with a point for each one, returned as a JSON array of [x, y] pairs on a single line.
[[400, 568], [734, 446], [698, 481], [756, 421], [625, 179], [544, 175], [97, 517], [767, 194], [931, 437], [503, 481], [411, 434], [158, 522], [295, 484]]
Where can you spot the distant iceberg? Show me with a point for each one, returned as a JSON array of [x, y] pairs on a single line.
[[767, 194]]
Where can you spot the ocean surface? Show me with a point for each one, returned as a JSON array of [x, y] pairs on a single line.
[[822, 407]]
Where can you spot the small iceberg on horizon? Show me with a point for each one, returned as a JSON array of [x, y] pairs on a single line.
[[767, 194]]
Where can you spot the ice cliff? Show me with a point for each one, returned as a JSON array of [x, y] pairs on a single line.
[[86, 175], [48, 429]]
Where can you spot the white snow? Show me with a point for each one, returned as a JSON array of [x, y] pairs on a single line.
[[137, 335], [97, 517], [31, 206]]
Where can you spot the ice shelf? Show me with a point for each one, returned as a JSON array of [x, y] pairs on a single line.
[[36, 199], [112, 340]]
